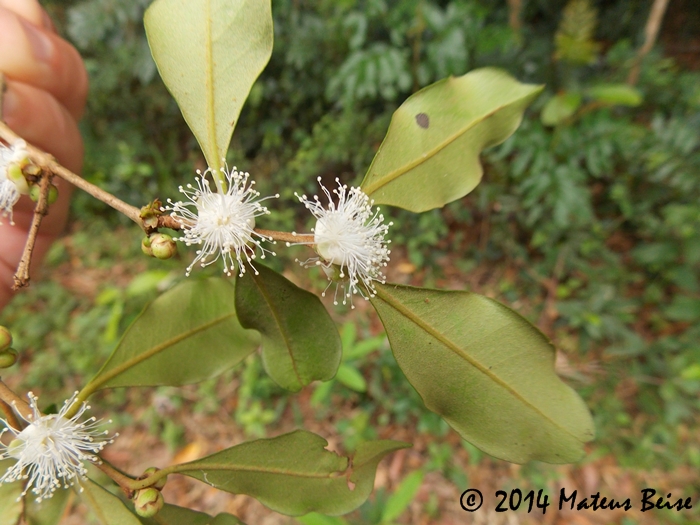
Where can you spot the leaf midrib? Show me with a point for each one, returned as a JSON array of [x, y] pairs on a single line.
[[108, 376], [399, 307], [278, 322], [391, 176]]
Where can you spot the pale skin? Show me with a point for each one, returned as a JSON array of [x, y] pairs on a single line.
[[45, 97]]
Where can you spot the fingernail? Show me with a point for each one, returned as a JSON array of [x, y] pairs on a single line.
[[41, 44], [9, 104]]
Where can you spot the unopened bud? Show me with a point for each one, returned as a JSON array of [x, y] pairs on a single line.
[[34, 192], [5, 338], [53, 194], [8, 357], [146, 246], [14, 173], [163, 246], [158, 484], [148, 502]]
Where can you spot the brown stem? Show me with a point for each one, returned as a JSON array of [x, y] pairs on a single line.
[[9, 415], [16, 402], [651, 31], [292, 238], [41, 209], [124, 481], [515, 8], [48, 164]]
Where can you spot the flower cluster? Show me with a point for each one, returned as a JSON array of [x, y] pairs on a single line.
[[222, 223], [349, 238], [9, 187], [51, 449]]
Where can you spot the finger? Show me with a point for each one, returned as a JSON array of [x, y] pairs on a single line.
[[35, 56], [41, 120], [31, 11]]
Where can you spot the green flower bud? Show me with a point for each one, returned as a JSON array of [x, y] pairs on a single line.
[[5, 338], [148, 502], [8, 358], [146, 246], [14, 173], [158, 484], [34, 191], [53, 194], [163, 246]]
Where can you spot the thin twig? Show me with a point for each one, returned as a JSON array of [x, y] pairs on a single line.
[[10, 417], [651, 32], [41, 209], [49, 164], [291, 238], [118, 477], [16, 402]]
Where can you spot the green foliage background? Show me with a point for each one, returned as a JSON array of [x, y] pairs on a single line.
[[600, 215]]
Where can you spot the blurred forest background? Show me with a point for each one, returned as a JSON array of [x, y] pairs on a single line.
[[587, 222]]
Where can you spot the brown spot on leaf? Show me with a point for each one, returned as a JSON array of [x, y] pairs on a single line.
[[423, 120]]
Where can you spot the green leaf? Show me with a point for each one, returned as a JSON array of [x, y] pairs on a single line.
[[106, 507], [430, 155], [188, 334], [174, 515], [402, 497], [487, 371], [10, 507], [209, 53], [616, 94], [351, 378], [559, 108], [321, 519], [293, 474], [49, 511], [226, 519], [300, 342]]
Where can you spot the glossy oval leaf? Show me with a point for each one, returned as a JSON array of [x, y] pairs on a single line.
[[209, 53], [430, 155], [190, 333], [105, 506], [49, 511], [293, 473], [10, 501], [487, 371], [300, 342]]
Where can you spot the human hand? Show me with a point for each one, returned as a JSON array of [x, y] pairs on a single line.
[[46, 87]]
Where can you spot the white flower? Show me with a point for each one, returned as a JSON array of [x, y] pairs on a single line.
[[349, 236], [51, 450], [222, 223], [9, 192], [8, 197]]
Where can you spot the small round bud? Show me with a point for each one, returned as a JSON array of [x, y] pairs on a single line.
[[163, 246], [148, 502], [158, 484], [146, 246], [5, 338], [8, 358], [34, 191], [53, 194]]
